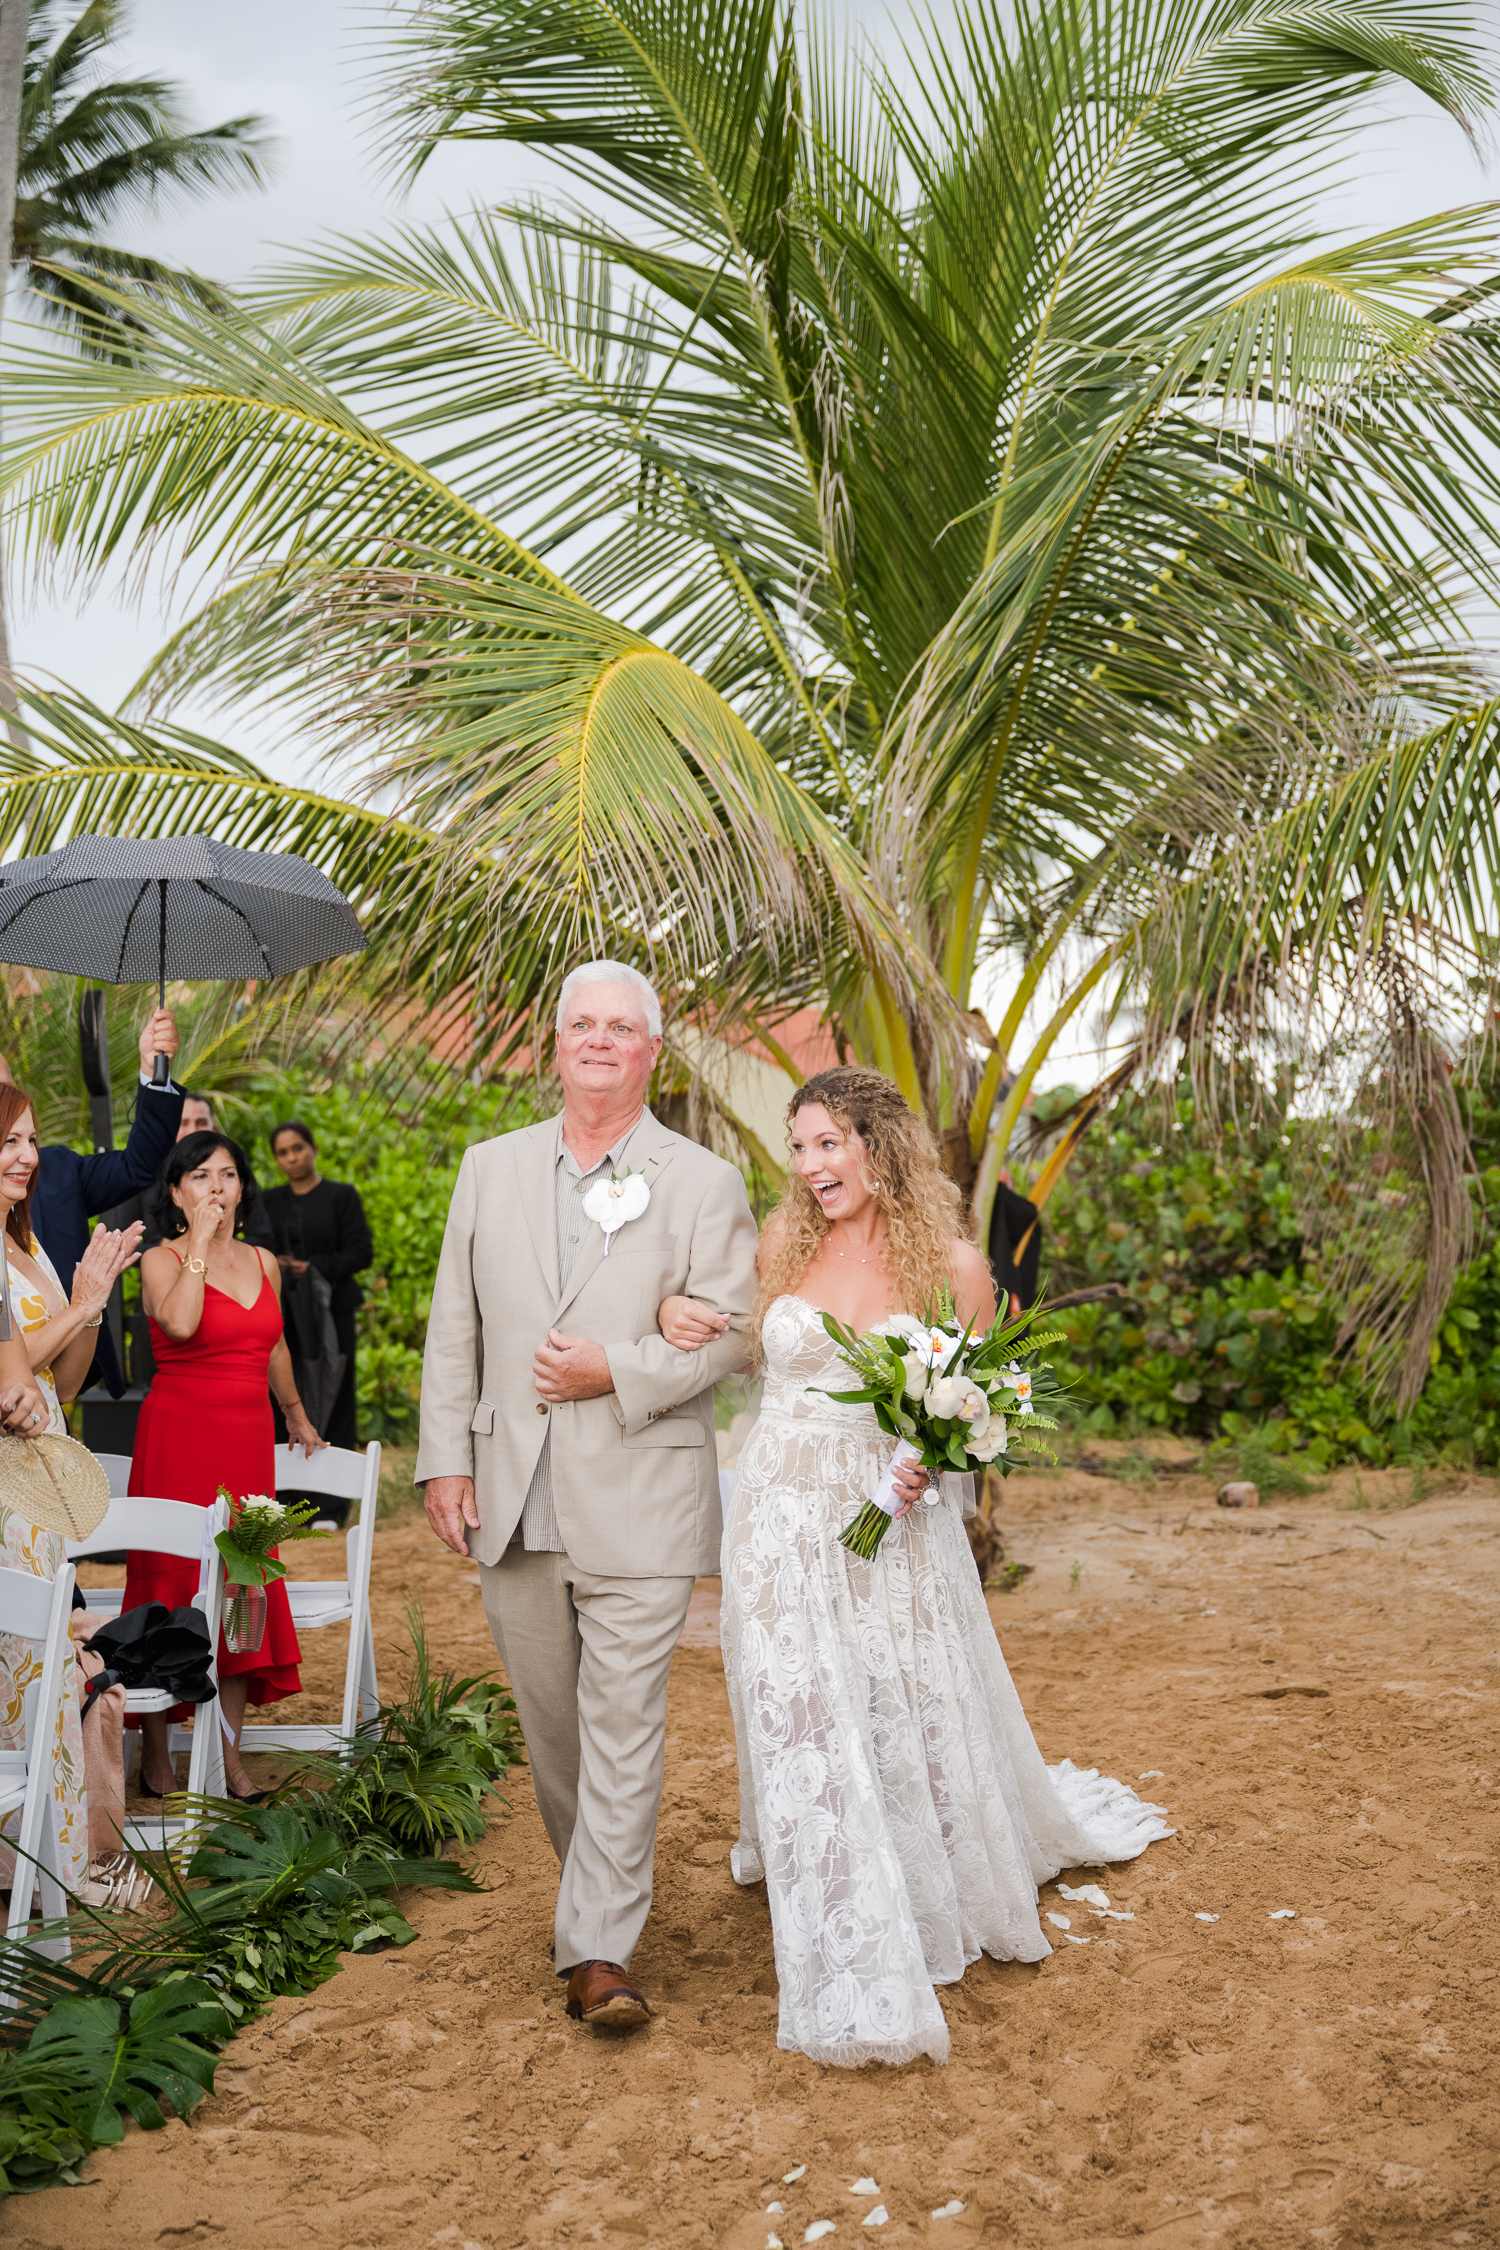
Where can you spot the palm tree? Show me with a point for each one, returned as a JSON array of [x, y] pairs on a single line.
[[96, 150], [878, 538]]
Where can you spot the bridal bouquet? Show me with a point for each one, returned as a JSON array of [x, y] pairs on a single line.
[[949, 1396], [258, 1523]]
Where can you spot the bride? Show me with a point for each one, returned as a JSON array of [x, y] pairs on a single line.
[[892, 1798]]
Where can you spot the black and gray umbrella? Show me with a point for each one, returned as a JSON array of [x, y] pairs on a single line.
[[138, 910]]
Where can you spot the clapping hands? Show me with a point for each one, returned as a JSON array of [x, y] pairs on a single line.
[[109, 1254]]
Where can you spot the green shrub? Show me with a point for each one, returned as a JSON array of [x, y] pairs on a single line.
[[1223, 1336]]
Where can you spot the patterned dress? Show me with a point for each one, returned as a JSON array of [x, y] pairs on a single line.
[[892, 1798], [25, 1546]]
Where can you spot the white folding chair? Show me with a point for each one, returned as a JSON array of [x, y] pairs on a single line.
[[340, 1475], [116, 1467], [37, 1610], [167, 1527]]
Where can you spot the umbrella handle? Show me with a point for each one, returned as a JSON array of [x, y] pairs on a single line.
[[161, 1065]]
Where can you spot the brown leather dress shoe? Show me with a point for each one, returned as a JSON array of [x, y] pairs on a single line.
[[600, 1993]]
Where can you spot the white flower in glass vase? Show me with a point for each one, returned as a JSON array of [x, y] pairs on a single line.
[[614, 1202]]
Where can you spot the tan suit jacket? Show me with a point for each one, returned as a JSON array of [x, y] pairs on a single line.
[[635, 1477]]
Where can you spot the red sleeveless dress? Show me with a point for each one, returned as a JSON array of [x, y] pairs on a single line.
[[206, 1421]]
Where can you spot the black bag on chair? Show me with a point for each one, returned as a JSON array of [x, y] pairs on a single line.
[[157, 1647]]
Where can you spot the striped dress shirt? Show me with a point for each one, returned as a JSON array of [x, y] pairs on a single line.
[[539, 1532]]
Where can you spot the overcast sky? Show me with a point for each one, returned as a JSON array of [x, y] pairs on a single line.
[[301, 64]]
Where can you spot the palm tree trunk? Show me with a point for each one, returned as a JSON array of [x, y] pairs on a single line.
[[15, 24]]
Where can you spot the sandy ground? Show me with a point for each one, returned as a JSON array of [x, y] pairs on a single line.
[[1317, 1686]]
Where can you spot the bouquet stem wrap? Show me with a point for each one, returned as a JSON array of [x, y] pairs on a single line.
[[871, 1524]]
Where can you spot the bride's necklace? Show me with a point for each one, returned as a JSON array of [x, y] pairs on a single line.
[[838, 1253]]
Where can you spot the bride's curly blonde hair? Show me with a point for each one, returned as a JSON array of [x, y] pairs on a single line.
[[922, 1208]]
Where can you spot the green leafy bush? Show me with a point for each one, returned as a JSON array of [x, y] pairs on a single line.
[[94, 2056], [1223, 1332]]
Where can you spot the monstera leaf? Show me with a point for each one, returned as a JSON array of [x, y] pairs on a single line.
[[105, 2058], [263, 1856]]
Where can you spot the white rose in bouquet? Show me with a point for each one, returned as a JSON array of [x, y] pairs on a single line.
[[915, 1364], [991, 1444], [955, 1398]]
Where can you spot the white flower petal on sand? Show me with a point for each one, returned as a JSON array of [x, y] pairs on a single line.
[[787, 2178], [864, 2187], [1089, 1894], [879, 2217], [774, 2210], [1114, 1913], [1284, 1914], [948, 2210], [1205, 1917], [774, 2242], [1060, 1921], [1078, 1940], [818, 2229], [1152, 1773]]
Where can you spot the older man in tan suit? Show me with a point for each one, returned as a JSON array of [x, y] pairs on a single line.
[[570, 1449]]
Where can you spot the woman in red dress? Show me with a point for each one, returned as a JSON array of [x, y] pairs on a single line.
[[214, 1308]]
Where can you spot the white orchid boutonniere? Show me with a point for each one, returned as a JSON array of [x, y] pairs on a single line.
[[612, 1203]]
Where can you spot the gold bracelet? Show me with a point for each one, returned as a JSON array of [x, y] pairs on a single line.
[[194, 1265]]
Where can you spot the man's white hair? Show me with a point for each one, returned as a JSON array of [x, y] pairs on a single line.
[[611, 972]]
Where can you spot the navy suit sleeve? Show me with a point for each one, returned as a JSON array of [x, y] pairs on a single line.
[[110, 1178]]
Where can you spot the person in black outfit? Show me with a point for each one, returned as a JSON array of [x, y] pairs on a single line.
[[321, 1223], [71, 1189], [1015, 1250]]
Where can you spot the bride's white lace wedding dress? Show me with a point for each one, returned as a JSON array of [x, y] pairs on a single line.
[[891, 1795]]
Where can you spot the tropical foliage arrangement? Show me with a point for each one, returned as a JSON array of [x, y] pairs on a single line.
[[257, 1523], [902, 527], [271, 1898]]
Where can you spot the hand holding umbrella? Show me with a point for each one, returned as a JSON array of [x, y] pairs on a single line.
[[159, 1044]]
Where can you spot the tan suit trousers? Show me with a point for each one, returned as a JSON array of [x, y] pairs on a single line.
[[587, 1659]]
